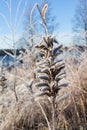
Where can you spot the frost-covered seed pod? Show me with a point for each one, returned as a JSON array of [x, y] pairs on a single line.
[[41, 84], [45, 89], [59, 78], [55, 50], [44, 77], [46, 70]]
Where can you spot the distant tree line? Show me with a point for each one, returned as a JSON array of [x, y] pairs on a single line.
[[3, 52]]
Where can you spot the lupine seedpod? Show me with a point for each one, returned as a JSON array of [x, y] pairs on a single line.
[[63, 85], [41, 84], [44, 77], [42, 94], [58, 53], [60, 68], [44, 65], [60, 74], [38, 70], [57, 49], [45, 70], [59, 78], [56, 89], [43, 13], [58, 61], [57, 65], [42, 47], [41, 63], [45, 89]]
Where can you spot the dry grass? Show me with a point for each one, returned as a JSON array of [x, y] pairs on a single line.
[[71, 113]]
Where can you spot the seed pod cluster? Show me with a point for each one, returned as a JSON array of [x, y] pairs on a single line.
[[48, 69]]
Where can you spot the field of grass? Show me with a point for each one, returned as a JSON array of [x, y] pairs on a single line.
[[26, 113], [46, 87]]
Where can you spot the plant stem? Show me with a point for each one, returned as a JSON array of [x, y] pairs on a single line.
[[49, 127], [53, 113]]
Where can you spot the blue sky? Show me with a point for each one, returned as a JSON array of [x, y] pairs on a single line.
[[63, 10]]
